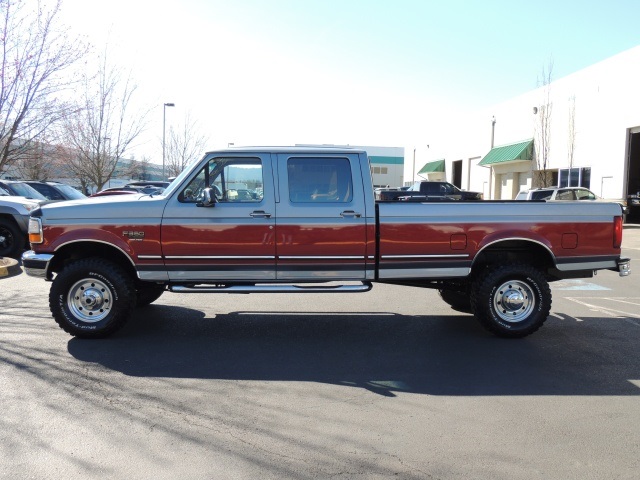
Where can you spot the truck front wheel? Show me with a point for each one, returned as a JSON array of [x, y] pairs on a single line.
[[511, 301], [92, 298]]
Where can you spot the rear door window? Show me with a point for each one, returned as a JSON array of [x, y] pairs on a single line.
[[565, 194], [319, 180]]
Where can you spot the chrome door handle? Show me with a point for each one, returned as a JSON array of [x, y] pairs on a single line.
[[260, 214], [350, 213]]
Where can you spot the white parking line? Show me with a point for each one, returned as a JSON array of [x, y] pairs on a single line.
[[576, 285], [612, 312]]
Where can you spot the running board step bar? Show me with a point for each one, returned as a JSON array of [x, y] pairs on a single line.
[[272, 288]]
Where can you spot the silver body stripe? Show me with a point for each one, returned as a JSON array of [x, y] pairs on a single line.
[[320, 257], [253, 257], [384, 257], [222, 275], [386, 273], [219, 257], [564, 267]]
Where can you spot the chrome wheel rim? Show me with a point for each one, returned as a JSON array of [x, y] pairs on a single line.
[[514, 301], [90, 300]]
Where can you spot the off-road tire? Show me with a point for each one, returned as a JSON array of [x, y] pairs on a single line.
[[511, 301], [12, 240], [92, 298]]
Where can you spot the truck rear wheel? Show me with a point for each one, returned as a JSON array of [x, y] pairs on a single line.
[[511, 301], [92, 298]]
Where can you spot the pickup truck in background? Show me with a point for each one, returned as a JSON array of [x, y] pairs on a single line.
[[428, 190], [310, 225]]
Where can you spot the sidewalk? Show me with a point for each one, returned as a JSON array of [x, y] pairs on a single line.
[[9, 267]]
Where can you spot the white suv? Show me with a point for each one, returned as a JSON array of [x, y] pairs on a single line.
[[14, 220], [565, 193]]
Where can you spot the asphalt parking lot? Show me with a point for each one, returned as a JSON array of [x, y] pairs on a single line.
[[386, 384]]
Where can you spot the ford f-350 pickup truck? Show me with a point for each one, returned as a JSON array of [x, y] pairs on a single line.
[[305, 220]]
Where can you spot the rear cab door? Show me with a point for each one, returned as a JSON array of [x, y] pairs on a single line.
[[324, 226]]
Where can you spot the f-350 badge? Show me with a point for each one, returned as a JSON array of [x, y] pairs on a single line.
[[132, 235]]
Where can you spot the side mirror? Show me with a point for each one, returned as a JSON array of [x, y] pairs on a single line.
[[207, 198]]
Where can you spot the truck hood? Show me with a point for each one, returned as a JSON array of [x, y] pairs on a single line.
[[21, 204], [108, 207]]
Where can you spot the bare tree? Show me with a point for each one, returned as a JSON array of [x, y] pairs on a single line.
[[571, 142], [543, 128], [36, 163], [36, 56], [104, 128], [140, 169], [185, 144]]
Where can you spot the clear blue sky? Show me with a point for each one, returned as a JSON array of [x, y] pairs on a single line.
[[344, 71]]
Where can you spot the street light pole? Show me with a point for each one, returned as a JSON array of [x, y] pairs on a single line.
[[164, 123], [413, 172], [493, 129]]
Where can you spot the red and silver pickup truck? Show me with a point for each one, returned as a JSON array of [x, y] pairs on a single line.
[[305, 220]]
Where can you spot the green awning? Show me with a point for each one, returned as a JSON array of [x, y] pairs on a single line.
[[432, 167], [509, 153]]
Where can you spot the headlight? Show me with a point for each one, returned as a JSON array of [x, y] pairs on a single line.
[[30, 206], [35, 230]]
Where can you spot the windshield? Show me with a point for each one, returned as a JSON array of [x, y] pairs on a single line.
[[70, 192], [27, 191], [541, 195], [178, 180]]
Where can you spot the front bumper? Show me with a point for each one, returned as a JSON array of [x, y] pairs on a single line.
[[36, 264]]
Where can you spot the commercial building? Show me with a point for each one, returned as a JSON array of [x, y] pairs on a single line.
[[387, 165], [581, 130]]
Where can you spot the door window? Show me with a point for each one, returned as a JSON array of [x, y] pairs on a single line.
[[235, 180], [565, 195], [319, 180]]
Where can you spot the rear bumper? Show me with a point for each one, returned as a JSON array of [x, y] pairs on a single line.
[[36, 264]]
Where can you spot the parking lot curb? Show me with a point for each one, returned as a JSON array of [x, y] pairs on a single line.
[[9, 267]]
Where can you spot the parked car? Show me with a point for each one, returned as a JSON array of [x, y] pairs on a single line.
[[565, 193], [148, 188], [428, 190], [56, 190], [21, 189], [148, 183], [14, 221], [115, 191]]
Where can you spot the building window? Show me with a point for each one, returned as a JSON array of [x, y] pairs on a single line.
[[574, 177], [380, 170]]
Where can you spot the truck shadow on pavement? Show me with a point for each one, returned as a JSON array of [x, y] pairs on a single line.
[[383, 353]]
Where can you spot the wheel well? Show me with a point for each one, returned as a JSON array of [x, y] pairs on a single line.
[[510, 251], [78, 250], [5, 216]]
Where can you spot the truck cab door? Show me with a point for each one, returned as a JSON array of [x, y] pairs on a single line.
[[232, 239], [321, 225]]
